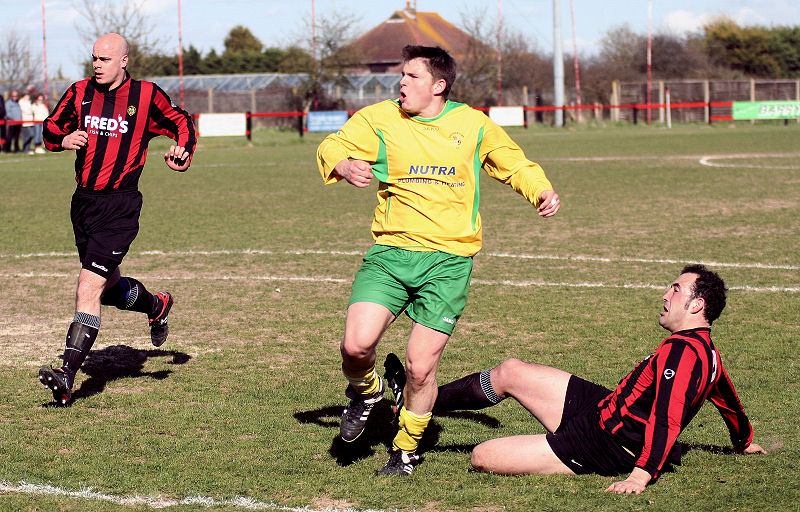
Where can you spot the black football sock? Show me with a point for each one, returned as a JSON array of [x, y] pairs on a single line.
[[80, 338], [128, 294], [467, 393]]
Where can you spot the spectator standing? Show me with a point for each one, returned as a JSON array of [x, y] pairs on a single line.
[[13, 113], [2, 125], [40, 112], [26, 107]]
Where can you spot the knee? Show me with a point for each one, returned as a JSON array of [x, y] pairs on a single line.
[[507, 373], [89, 291], [355, 347], [420, 374], [479, 460]]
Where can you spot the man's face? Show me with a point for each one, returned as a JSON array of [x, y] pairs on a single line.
[[14, 95], [677, 302], [108, 62], [418, 89]]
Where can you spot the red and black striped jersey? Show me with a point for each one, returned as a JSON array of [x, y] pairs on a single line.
[[120, 123], [657, 400]]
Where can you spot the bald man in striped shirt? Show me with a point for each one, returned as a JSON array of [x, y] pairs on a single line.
[[108, 120]]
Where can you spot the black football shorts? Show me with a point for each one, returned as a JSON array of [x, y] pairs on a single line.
[[105, 225], [580, 442]]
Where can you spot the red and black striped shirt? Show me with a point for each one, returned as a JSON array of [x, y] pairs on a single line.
[[120, 123], [657, 400]]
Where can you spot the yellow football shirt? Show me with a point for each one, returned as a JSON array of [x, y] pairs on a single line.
[[429, 192]]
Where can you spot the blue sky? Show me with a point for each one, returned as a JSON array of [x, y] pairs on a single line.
[[205, 23]]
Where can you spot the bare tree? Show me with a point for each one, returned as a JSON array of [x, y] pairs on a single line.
[[19, 64], [477, 72], [127, 18], [332, 35], [523, 66]]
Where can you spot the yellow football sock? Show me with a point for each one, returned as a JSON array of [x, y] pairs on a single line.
[[411, 429], [365, 382]]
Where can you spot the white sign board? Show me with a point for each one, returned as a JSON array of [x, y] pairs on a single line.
[[507, 116], [215, 125], [326, 121]]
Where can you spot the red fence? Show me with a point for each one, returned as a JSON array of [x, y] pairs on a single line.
[[634, 107]]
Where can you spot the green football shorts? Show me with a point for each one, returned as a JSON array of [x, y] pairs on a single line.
[[431, 287]]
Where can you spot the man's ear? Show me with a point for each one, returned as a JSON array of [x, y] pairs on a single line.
[[124, 61], [439, 86], [697, 305]]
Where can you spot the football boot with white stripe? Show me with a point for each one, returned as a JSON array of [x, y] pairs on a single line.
[[395, 376], [400, 463], [355, 415]]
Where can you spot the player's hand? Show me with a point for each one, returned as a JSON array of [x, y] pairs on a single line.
[[549, 203], [753, 448], [634, 484], [177, 158], [626, 487], [75, 140], [357, 172]]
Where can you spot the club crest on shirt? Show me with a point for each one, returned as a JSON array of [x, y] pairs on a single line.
[[456, 138], [131, 110]]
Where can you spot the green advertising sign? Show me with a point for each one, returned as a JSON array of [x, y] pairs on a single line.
[[766, 110]]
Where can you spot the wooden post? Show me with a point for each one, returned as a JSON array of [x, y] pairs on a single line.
[[797, 93], [524, 105], [210, 99]]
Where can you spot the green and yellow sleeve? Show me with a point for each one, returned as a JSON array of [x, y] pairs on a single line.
[[355, 140], [505, 161]]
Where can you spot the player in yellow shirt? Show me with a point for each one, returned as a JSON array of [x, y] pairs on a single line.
[[426, 152]]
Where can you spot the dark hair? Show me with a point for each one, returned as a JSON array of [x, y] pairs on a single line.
[[709, 287], [439, 63]]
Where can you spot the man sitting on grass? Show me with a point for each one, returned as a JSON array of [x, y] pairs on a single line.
[[592, 429]]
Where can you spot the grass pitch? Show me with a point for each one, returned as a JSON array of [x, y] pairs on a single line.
[[239, 410]]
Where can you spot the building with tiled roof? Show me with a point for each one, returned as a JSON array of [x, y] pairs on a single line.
[[379, 49]]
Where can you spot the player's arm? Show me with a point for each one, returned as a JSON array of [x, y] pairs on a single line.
[[348, 153], [174, 122], [726, 400], [61, 129], [505, 161], [676, 370]]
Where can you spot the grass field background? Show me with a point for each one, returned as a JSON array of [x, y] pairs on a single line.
[[241, 405]]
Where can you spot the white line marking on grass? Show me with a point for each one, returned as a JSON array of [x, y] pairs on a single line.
[[642, 260], [157, 502], [338, 280], [554, 257], [703, 159], [707, 160], [645, 286]]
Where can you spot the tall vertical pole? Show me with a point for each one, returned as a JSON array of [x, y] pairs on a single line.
[[558, 66], [313, 36], [44, 53], [499, 53], [649, 55], [575, 51], [180, 51]]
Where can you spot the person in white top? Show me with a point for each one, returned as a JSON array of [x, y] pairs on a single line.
[[26, 107], [40, 113]]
